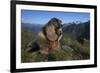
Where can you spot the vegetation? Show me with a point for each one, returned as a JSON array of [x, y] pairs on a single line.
[[74, 46]]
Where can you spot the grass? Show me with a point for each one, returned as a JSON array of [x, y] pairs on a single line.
[[70, 49]]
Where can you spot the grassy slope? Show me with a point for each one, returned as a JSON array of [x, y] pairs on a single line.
[[71, 50]]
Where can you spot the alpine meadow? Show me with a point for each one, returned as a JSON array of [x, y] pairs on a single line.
[[74, 35]]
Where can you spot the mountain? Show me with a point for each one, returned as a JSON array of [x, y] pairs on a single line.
[[75, 30], [31, 27], [80, 30]]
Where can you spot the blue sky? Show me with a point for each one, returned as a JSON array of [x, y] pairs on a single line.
[[42, 17]]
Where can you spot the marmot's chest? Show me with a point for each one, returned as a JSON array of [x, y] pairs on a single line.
[[51, 34], [52, 45]]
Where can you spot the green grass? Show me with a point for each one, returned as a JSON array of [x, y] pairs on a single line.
[[71, 50]]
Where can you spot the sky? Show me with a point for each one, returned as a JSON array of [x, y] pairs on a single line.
[[42, 17]]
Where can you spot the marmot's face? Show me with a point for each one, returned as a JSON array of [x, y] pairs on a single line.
[[53, 29], [56, 23], [59, 31]]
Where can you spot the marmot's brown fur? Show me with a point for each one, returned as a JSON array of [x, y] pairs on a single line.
[[50, 36]]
